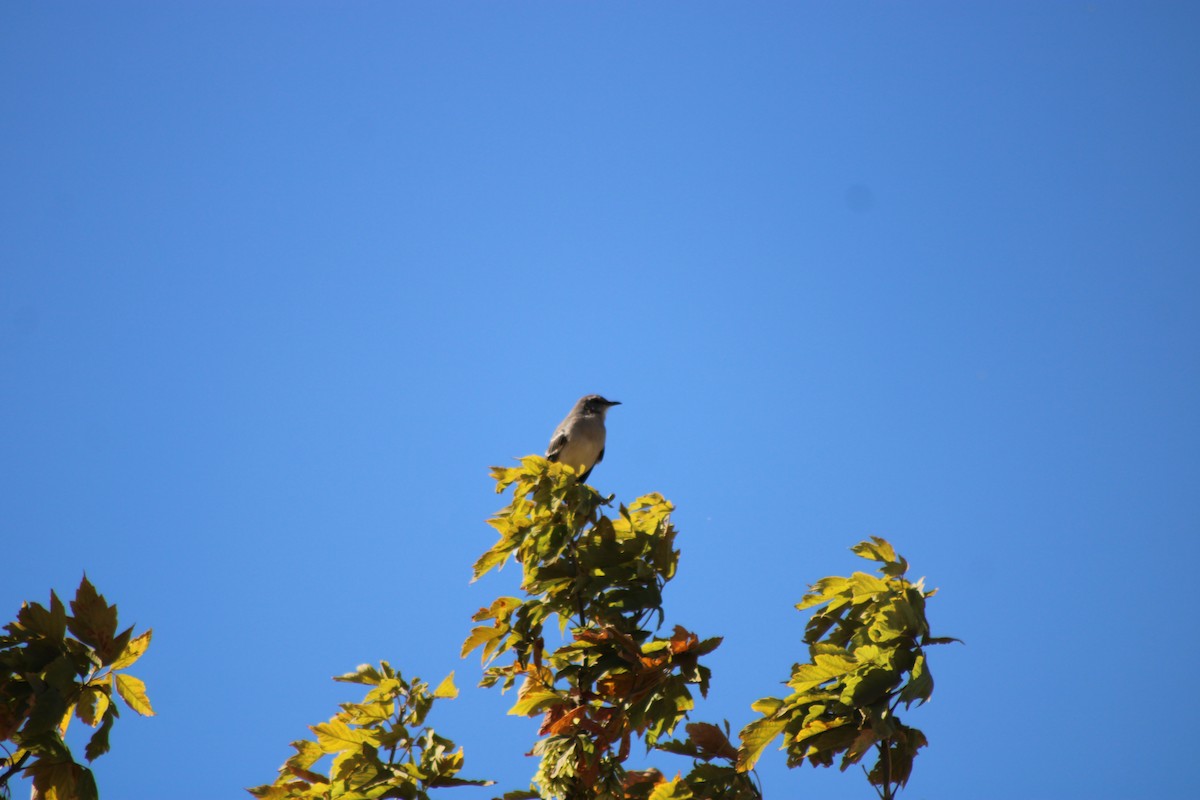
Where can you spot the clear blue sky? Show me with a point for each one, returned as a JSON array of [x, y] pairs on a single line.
[[279, 281]]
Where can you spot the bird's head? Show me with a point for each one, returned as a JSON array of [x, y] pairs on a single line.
[[594, 404]]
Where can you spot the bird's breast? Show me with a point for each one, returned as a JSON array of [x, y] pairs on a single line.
[[583, 448]]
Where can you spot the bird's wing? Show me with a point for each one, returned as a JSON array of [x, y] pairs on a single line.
[[584, 475], [557, 443]]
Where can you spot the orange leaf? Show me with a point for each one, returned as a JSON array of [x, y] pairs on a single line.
[[616, 686], [683, 640], [559, 722], [639, 777]]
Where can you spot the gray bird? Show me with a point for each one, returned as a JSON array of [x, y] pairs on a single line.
[[579, 439]]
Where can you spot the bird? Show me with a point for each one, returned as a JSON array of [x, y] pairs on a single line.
[[578, 441]]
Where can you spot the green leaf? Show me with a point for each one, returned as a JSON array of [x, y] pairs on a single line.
[[85, 785], [98, 744], [825, 667], [49, 707], [133, 692], [63, 674], [50, 624], [920, 683], [94, 621], [823, 591], [942, 640], [821, 748], [534, 702], [867, 686], [866, 586], [755, 737]]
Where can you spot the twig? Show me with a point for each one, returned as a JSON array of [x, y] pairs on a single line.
[[15, 768], [885, 752]]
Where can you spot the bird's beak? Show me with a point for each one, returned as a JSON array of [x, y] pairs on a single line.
[[613, 402]]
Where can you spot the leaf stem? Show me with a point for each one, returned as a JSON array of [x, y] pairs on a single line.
[[885, 757]]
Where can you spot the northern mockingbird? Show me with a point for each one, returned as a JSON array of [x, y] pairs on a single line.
[[579, 439]]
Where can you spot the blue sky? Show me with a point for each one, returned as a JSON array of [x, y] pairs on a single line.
[[279, 281]]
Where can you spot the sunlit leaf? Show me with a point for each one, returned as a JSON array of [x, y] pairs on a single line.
[[336, 736], [307, 754], [755, 737], [133, 650], [446, 688], [55, 780], [767, 705], [92, 705], [823, 668], [671, 790], [865, 586], [480, 635], [877, 550], [133, 692], [534, 702]]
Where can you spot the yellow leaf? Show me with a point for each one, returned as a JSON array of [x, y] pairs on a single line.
[[865, 586], [755, 737], [480, 635], [307, 754], [93, 702], [54, 781], [446, 688], [671, 790], [534, 702], [336, 736], [133, 651], [767, 705], [877, 550], [819, 726], [133, 692]]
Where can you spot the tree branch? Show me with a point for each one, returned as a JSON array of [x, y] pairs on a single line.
[[885, 758], [15, 768]]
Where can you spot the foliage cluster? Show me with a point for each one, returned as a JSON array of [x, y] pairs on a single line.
[[613, 678], [587, 646], [866, 656], [381, 747], [53, 666]]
